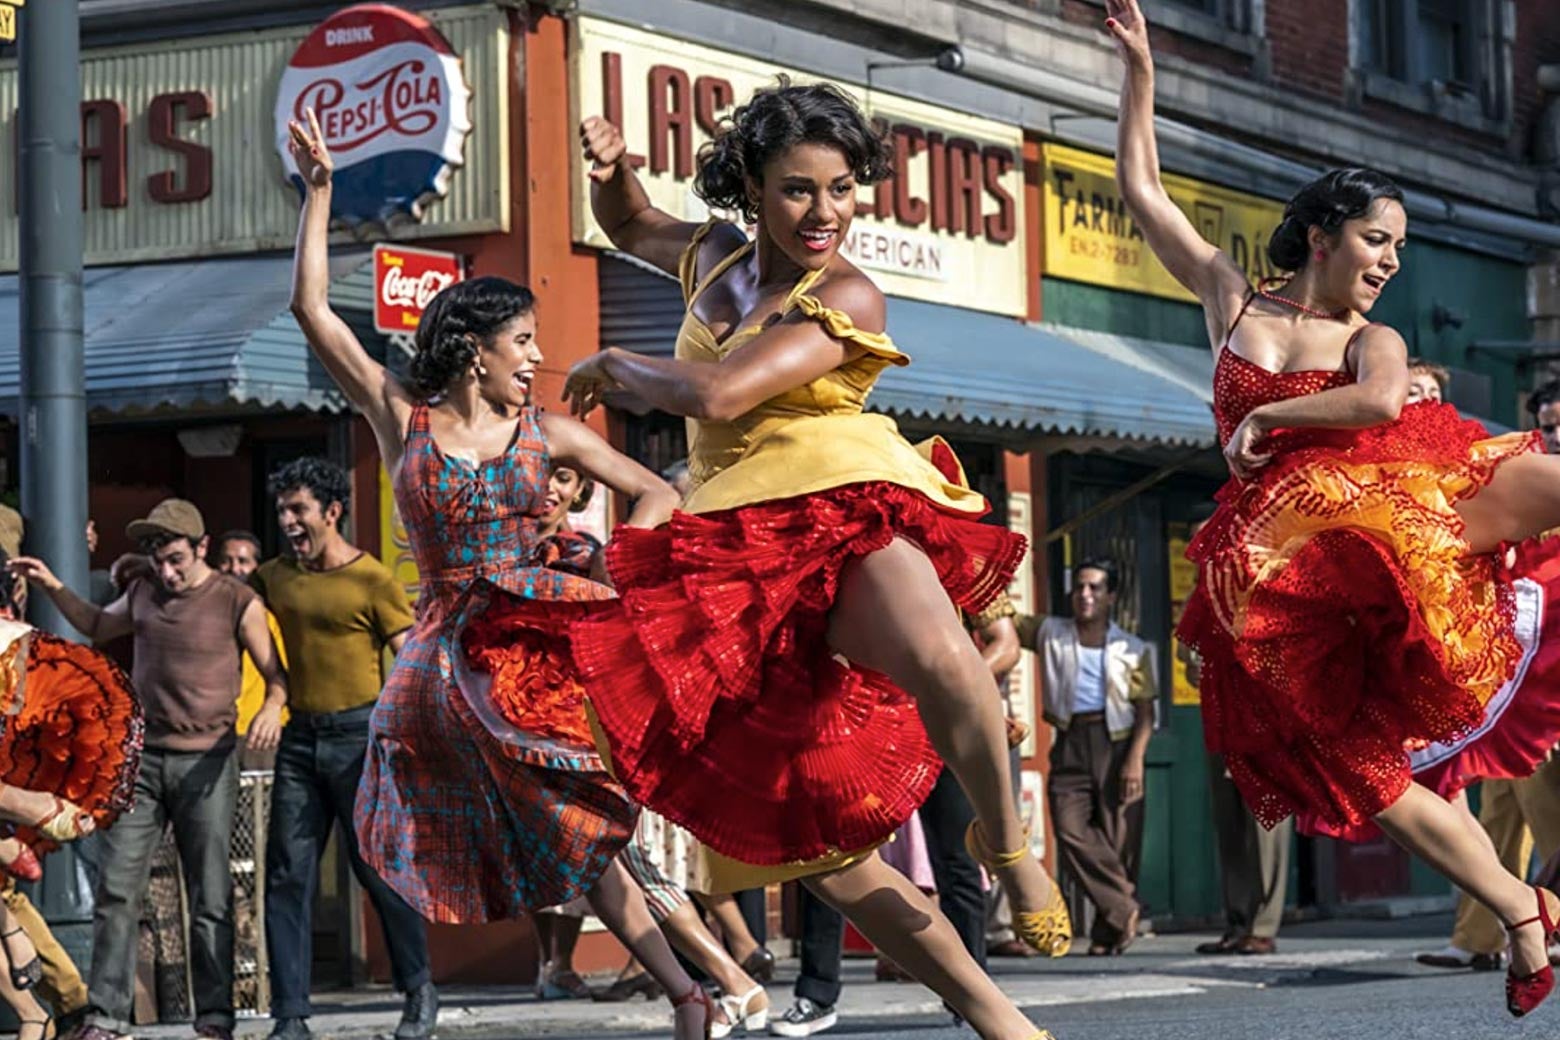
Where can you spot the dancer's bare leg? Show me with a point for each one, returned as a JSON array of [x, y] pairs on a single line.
[[1460, 803], [900, 920], [733, 926], [1521, 501], [1435, 831], [620, 904], [892, 615]]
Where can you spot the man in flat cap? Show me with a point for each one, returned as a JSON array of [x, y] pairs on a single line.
[[190, 623]]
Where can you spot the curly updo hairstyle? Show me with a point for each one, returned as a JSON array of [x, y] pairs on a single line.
[[447, 335], [775, 119], [1327, 202]]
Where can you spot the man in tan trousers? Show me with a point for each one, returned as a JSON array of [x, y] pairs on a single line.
[[1520, 815]]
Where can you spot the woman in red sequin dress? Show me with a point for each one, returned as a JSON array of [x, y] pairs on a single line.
[[1351, 605], [779, 644], [482, 794]]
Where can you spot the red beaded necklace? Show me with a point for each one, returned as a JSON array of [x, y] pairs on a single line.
[[1303, 309]]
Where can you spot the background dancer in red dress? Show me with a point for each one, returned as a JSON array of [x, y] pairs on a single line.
[[1350, 601], [482, 797], [780, 643]]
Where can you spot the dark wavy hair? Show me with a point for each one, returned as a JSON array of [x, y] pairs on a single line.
[[455, 319], [775, 119], [323, 479], [1104, 565], [1546, 393], [1327, 202]]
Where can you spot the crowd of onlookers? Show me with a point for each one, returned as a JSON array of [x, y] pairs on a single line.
[[238, 664]]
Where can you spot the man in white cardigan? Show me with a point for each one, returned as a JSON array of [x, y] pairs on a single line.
[[1098, 684]]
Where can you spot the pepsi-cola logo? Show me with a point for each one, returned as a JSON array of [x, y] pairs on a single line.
[[392, 103]]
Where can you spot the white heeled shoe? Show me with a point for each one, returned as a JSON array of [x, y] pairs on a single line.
[[739, 1011]]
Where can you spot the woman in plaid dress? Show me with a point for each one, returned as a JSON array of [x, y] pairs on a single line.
[[483, 796]]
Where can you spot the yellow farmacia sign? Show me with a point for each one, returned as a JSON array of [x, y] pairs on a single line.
[[1090, 236]]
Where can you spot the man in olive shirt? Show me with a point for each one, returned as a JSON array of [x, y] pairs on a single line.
[[189, 623], [338, 608]]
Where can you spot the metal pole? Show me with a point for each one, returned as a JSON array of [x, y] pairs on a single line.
[[53, 401]]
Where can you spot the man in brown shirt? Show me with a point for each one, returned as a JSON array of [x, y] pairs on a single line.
[[189, 625]]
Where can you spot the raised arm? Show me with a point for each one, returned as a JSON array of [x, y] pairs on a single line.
[[623, 208], [372, 390], [791, 353], [99, 624], [576, 445], [1204, 269], [1379, 358]]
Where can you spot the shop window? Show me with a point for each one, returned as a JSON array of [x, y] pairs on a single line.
[[1231, 14], [1448, 57], [655, 440], [1232, 24]]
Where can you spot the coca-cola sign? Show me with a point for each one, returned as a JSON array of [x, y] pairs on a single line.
[[405, 280], [391, 100]]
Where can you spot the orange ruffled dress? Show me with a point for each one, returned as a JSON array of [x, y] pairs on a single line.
[[721, 701], [72, 725], [1340, 616]]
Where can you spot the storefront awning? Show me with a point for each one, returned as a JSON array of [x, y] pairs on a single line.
[[203, 333], [979, 370], [972, 367]]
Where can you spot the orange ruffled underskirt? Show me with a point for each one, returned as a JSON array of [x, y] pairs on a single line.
[[78, 734], [1341, 617]]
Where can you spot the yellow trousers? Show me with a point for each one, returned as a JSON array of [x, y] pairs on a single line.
[[61, 987], [1518, 815]]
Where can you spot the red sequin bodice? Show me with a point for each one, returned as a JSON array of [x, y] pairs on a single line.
[[1240, 385]]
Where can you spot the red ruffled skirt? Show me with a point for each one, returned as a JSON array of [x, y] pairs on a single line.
[[1521, 724], [714, 683], [78, 733], [1341, 619]]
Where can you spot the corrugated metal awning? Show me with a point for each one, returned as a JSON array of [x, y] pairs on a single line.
[[972, 367], [207, 333], [978, 370]]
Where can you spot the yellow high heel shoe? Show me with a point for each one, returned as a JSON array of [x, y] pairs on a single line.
[[1048, 930]]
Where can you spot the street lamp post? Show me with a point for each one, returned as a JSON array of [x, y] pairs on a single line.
[[52, 412]]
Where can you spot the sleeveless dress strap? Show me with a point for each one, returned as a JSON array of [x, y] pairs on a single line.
[[1251, 294], [417, 422], [839, 325], [688, 266]]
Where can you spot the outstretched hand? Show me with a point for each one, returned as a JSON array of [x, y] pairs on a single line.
[[586, 385], [309, 151], [1129, 30]]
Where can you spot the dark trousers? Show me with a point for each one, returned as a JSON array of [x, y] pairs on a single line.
[[1253, 861], [754, 904], [317, 770], [1096, 835], [823, 942], [196, 791], [945, 815]]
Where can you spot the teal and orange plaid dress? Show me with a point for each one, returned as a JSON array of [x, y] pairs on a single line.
[[483, 795]]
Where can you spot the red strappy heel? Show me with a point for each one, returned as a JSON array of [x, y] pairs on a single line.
[[696, 995], [1526, 992]]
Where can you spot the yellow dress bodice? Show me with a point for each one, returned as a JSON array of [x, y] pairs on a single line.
[[809, 438]]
